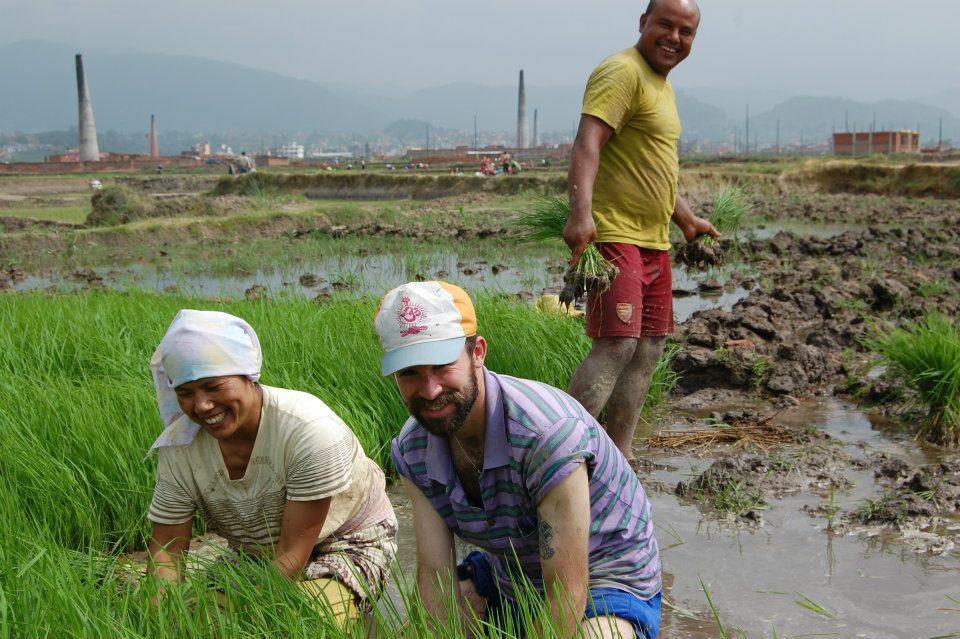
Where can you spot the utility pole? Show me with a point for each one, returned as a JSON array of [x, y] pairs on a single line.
[[476, 146], [940, 135], [426, 140], [746, 136], [873, 128], [778, 136]]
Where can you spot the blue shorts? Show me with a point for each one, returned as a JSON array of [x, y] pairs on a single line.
[[644, 614]]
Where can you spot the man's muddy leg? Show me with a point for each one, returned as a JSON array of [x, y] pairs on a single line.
[[625, 405], [597, 376]]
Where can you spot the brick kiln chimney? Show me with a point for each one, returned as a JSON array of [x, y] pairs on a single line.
[[89, 150]]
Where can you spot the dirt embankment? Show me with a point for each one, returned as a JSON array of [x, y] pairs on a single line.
[[169, 183], [367, 186], [797, 331], [32, 245], [914, 180], [117, 205]]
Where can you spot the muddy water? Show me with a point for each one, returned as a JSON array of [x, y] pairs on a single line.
[[372, 275], [802, 228], [869, 585]]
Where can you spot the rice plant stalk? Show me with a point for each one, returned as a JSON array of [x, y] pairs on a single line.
[[730, 206], [813, 606], [546, 220], [926, 352], [713, 609]]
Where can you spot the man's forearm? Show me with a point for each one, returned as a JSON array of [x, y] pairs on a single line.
[[431, 585], [682, 213], [567, 605], [583, 171]]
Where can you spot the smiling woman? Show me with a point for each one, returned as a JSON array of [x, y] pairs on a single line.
[[275, 471]]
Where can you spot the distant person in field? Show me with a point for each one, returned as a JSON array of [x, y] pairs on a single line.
[[518, 469], [245, 163], [275, 471], [623, 194]]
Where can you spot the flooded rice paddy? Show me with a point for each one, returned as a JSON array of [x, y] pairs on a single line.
[[528, 277], [797, 565]]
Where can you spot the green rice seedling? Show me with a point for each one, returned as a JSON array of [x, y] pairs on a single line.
[[926, 353], [713, 609], [546, 221], [85, 413], [75, 482], [730, 206], [813, 606]]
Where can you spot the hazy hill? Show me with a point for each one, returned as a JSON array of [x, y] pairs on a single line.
[[198, 94], [187, 93], [818, 117], [947, 98], [208, 97]]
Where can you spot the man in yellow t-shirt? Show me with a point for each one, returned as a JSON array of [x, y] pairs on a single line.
[[623, 194]]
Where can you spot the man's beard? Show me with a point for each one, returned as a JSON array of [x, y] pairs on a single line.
[[463, 402]]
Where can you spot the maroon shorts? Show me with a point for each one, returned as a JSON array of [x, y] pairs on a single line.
[[640, 300]]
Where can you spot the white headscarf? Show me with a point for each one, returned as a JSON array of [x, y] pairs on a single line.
[[199, 344]]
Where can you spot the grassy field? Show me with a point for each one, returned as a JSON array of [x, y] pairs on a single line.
[[74, 481], [72, 214]]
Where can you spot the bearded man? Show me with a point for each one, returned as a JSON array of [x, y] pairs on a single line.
[[518, 469]]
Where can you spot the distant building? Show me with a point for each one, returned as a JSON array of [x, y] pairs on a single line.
[[70, 155], [292, 151], [867, 143]]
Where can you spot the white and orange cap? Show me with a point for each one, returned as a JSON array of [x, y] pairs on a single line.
[[423, 323]]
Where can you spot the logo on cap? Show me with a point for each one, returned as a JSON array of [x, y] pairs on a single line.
[[408, 316]]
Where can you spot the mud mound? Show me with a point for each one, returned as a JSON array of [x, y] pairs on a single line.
[[9, 224], [169, 183], [366, 186], [914, 180], [790, 335], [117, 205], [913, 496], [742, 485]]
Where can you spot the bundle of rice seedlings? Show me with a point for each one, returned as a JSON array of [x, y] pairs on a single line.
[[592, 271], [926, 353], [730, 205]]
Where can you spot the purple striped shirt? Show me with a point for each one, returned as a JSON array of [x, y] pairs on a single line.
[[536, 436]]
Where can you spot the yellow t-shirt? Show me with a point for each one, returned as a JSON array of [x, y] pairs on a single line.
[[635, 192]]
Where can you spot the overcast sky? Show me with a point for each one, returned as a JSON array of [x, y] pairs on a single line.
[[864, 49]]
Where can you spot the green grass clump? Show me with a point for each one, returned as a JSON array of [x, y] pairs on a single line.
[[730, 206], [71, 214], [926, 353], [117, 205], [546, 221]]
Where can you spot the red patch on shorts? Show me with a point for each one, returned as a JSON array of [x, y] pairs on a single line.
[[625, 312]]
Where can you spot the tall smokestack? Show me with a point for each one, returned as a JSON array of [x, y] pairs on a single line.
[[89, 150], [154, 145], [521, 116], [535, 141]]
